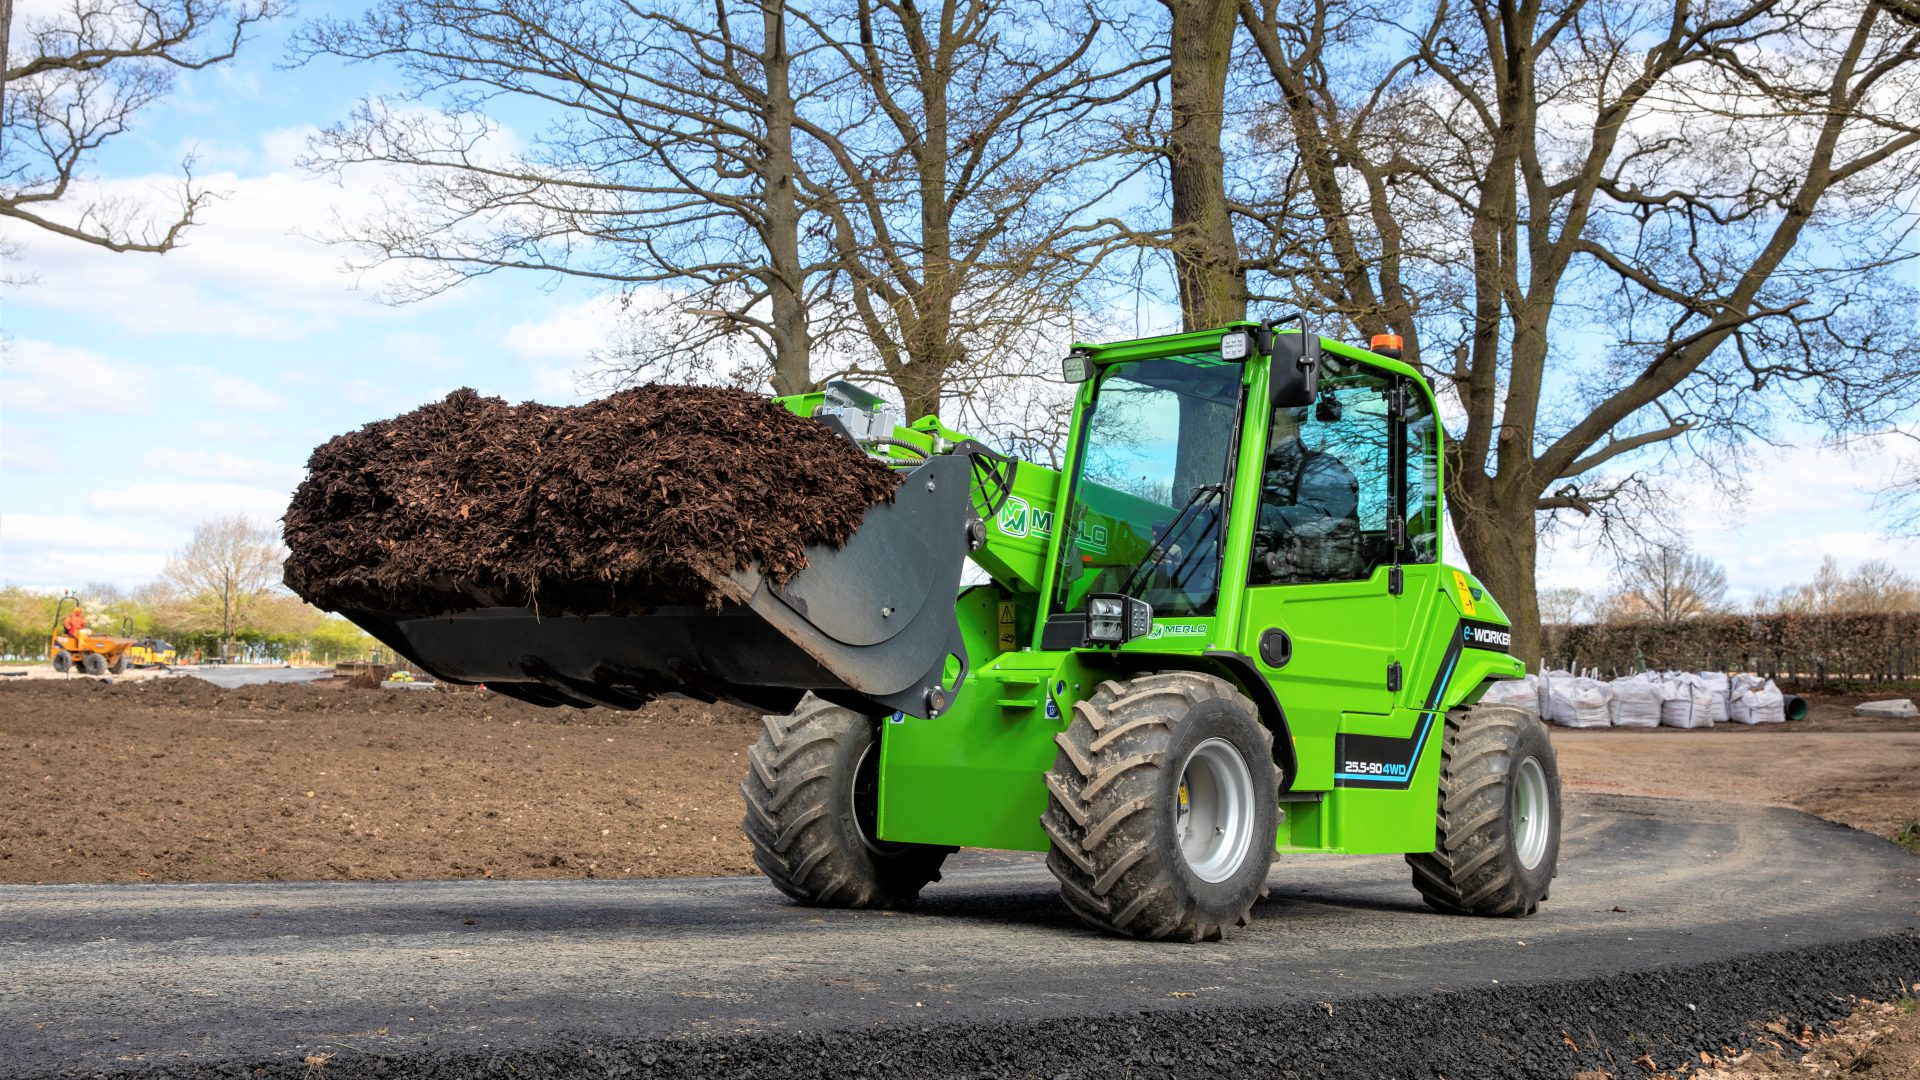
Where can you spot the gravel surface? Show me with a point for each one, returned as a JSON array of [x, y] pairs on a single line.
[[1674, 928]]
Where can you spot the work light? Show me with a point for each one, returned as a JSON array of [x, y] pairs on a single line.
[[1077, 367], [1113, 618], [1235, 346]]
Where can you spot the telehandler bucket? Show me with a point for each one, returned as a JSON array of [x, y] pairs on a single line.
[[870, 626]]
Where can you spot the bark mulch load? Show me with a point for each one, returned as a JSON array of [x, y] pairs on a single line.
[[613, 506]]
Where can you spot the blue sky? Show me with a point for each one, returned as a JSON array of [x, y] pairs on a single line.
[[140, 394], [143, 393]]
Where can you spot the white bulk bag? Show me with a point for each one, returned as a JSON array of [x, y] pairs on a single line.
[[1580, 702], [1637, 701], [1545, 686], [1520, 693], [1756, 701], [1685, 701], [1718, 691]]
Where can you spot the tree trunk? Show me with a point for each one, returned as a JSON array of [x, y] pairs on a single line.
[[920, 381], [931, 350], [1206, 260], [226, 623], [786, 278], [1498, 538]]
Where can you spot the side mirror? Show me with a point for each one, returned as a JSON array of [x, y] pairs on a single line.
[[1293, 375]]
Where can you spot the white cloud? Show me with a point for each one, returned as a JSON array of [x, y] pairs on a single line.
[[54, 529], [1802, 504], [173, 463], [557, 385], [409, 347], [186, 504], [53, 552], [231, 431], [231, 391], [66, 566], [59, 380], [25, 450], [281, 148], [569, 333], [248, 269]]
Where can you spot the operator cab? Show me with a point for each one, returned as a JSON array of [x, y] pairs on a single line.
[[1335, 464]]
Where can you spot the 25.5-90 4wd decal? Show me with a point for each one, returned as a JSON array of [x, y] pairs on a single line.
[[1383, 761]]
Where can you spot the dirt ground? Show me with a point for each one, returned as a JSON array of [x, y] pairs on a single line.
[[177, 780], [1879, 1041], [1851, 769]]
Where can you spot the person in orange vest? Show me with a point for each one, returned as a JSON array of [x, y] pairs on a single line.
[[76, 623]]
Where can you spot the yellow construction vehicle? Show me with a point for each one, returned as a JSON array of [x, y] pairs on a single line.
[[147, 651], [72, 645]]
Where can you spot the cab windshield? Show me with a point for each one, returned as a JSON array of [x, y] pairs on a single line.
[[1148, 510]]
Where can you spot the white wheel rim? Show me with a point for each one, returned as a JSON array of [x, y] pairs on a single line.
[[1213, 810], [1532, 813]]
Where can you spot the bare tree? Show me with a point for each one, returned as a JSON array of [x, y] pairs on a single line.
[[1606, 228], [1668, 584], [1876, 585], [230, 563], [855, 185], [667, 169], [957, 173], [76, 79], [1563, 604]]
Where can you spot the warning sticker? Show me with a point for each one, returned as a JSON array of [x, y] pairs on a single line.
[[1464, 591]]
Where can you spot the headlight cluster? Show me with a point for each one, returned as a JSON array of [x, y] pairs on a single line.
[[1113, 618]]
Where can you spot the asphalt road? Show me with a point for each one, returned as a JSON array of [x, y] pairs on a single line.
[[572, 977]]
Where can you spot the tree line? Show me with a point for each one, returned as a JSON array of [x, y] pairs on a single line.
[[219, 596], [1668, 585], [1613, 233]]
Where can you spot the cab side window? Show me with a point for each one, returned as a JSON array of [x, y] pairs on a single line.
[[1327, 487], [1422, 486]]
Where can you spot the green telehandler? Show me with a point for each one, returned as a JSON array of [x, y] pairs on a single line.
[[1224, 630]]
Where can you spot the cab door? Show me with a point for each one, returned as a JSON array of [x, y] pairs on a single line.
[[1320, 607], [1422, 578]]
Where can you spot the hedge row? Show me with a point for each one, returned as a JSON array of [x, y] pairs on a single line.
[[1882, 647]]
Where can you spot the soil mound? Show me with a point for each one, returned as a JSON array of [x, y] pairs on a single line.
[[613, 506]]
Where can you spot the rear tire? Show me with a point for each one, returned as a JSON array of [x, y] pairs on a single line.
[[1498, 836], [811, 793], [1162, 807], [95, 665], [62, 661]]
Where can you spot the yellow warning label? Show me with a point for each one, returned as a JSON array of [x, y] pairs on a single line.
[[1006, 626], [1465, 591]]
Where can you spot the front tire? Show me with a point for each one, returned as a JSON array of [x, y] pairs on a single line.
[[119, 664], [1497, 844], [94, 664], [1162, 807], [812, 794]]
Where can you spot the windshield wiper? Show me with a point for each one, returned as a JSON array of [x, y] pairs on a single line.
[[1159, 549]]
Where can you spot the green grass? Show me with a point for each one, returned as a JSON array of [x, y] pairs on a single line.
[[1909, 836]]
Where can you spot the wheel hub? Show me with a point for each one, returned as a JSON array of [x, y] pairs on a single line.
[[1532, 813], [1214, 810]]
